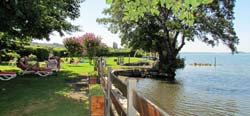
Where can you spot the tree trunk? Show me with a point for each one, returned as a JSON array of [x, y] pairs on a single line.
[[167, 60], [167, 65]]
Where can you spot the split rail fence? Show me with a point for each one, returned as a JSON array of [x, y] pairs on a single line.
[[135, 103]]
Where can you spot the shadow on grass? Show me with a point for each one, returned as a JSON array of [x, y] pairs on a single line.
[[4, 63], [34, 95], [108, 64], [74, 65]]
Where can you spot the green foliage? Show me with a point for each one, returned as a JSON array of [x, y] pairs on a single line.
[[10, 44], [178, 63], [60, 52], [73, 46], [32, 57], [93, 73], [103, 50], [95, 90], [42, 96], [136, 9], [42, 53], [214, 19], [38, 18], [91, 44], [165, 25], [13, 55]]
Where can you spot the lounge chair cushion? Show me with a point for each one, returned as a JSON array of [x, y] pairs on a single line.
[[7, 73]]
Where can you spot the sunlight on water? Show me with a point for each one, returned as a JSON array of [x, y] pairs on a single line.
[[221, 90]]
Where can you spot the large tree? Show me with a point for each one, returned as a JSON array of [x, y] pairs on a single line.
[[38, 18], [167, 28]]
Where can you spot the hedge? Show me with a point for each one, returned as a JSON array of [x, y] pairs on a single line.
[[42, 53], [116, 53]]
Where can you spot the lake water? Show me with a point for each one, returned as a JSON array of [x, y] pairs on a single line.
[[205, 90]]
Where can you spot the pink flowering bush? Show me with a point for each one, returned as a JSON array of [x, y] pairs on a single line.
[[73, 46], [91, 44]]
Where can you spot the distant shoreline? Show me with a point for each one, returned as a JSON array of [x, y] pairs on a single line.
[[213, 53]]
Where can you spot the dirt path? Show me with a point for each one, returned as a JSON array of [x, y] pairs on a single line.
[[80, 87]]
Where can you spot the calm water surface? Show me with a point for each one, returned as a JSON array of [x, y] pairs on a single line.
[[205, 91]]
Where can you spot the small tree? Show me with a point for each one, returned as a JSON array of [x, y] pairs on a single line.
[[91, 44], [73, 46]]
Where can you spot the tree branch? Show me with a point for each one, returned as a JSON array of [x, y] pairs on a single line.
[[175, 38], [182, 44]]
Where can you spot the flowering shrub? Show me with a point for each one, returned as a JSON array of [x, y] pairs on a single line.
[[91, 43], [73, 46]]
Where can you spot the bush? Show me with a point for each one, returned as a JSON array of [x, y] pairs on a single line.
[[32, 57], [74, 46], [93, 73], [96, 90], [42, 53]]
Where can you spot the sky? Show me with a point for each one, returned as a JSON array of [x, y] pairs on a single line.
[[92, 9]]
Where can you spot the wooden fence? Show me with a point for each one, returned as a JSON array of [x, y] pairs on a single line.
[[136, 104]]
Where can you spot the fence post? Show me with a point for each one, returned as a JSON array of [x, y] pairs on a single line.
[[98, 70], [130, 107], [107, 95]]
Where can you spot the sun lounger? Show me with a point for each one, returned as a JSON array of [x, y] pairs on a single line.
[[40, 72], [5, 76], [43, 72]]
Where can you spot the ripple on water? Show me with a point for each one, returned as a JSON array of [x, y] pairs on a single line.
[[177, 99]]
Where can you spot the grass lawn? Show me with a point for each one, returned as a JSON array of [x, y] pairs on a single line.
[[110, 62], [31, 95]]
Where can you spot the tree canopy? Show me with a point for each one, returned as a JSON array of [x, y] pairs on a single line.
[[38, 18], [135, 9], [9, 43], [165, 27]]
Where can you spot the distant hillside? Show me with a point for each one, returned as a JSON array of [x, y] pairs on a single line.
[[53, 45]]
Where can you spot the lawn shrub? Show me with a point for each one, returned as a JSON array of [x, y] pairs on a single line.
[[42, 53]]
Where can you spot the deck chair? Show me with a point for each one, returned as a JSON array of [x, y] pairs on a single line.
[[53, 64], [43, 72], [5, 76]]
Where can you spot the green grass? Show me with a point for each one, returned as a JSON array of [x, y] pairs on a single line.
[[31, 95], [110, 61], [95, 90]]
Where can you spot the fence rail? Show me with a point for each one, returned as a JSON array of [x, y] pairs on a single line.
[[137, 104]]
